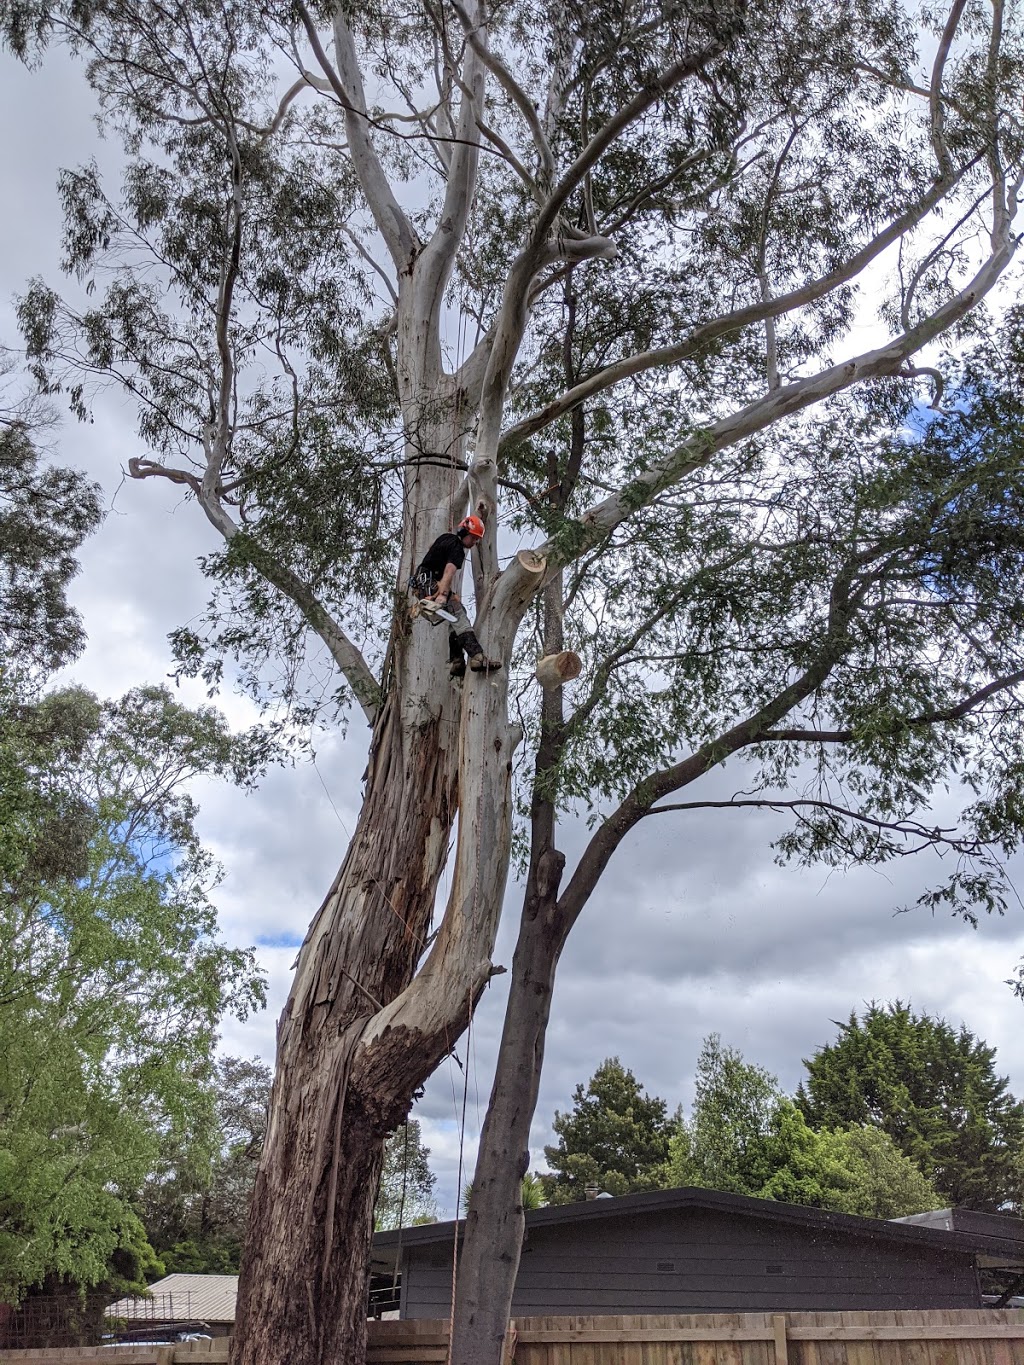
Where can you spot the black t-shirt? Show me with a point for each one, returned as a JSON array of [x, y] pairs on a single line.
[[446, 549]]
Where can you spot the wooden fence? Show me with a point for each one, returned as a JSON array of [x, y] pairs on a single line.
[[964, 1337]]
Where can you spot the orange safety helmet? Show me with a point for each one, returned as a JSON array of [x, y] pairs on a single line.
[[471, 525]]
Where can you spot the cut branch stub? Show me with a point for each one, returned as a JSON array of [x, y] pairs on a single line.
[[555, 669], [531, 561]]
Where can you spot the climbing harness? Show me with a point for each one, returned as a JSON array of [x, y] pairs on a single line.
[[423, 585]]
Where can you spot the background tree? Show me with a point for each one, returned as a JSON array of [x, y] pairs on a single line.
[[195, 1203], [532, 1192], [733, 1124], [934, 1090], [112, 977], [46, 511], [615, 1137], [594, 274], [406, 1193]]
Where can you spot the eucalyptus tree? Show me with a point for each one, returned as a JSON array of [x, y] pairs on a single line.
[[596, 272], [46, 512]]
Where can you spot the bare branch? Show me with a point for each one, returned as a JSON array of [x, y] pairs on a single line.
[[929, 835], [951, 713], [729, 322], [347, 84]]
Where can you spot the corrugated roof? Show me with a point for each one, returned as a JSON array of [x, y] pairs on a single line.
[[185, 1298]]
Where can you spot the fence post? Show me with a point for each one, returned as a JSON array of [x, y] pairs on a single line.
[[508, 1348], [779, 1338]]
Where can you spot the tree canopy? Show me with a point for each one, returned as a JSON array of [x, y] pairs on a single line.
[[194, 1203], [743, 1135], [659, 292], [615, 1137], [112, 974], [46, 511], [933, 1088]]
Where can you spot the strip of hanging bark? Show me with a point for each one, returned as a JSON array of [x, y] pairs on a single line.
[[555, 669]]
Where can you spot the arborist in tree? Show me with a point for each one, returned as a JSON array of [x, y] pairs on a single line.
[[432, 584]]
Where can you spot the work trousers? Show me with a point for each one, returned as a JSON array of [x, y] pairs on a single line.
[[462, 623]]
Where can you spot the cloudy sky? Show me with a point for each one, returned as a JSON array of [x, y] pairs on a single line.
[[694, 929]]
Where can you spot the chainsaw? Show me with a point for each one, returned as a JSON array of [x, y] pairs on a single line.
[[431, 612]]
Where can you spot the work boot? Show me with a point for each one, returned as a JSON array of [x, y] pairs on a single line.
[[456, 659], [478, 660]]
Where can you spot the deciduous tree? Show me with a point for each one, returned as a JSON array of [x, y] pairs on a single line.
[[195, 1202], [112, 976]]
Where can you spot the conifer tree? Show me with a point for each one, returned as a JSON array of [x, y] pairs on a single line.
[[934, 1089]]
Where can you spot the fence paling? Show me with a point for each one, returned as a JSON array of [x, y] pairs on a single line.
[[963, 1337]]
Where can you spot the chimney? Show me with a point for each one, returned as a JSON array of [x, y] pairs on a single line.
[[592, 1191]]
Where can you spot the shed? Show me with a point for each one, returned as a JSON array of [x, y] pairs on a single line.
[[180, 1303], [700, 1251]]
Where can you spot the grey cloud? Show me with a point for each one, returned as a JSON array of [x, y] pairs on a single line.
[[693, 928]]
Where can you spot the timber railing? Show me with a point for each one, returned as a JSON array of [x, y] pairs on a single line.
[[952, 1337]]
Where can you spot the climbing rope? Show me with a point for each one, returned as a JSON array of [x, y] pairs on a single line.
[[458, 1178]]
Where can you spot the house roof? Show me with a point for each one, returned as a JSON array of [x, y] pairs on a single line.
[[975, 1239], [183, 1298], [1004, 1232]]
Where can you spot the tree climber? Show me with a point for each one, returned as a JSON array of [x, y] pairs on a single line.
[[432, 583]]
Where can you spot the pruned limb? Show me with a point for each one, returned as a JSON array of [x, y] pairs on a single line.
[[141, 468], [553, 670]]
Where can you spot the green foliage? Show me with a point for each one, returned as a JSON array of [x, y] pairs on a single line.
[[406, 1193], [616, 1137], [934, 1090], [195, 1201], [847, 562], [532, 1192], [743, 1136], [45, 514], [112, 977]]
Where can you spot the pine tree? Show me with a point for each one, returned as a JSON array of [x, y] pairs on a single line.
[[615, 1137], [934, 1089]]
